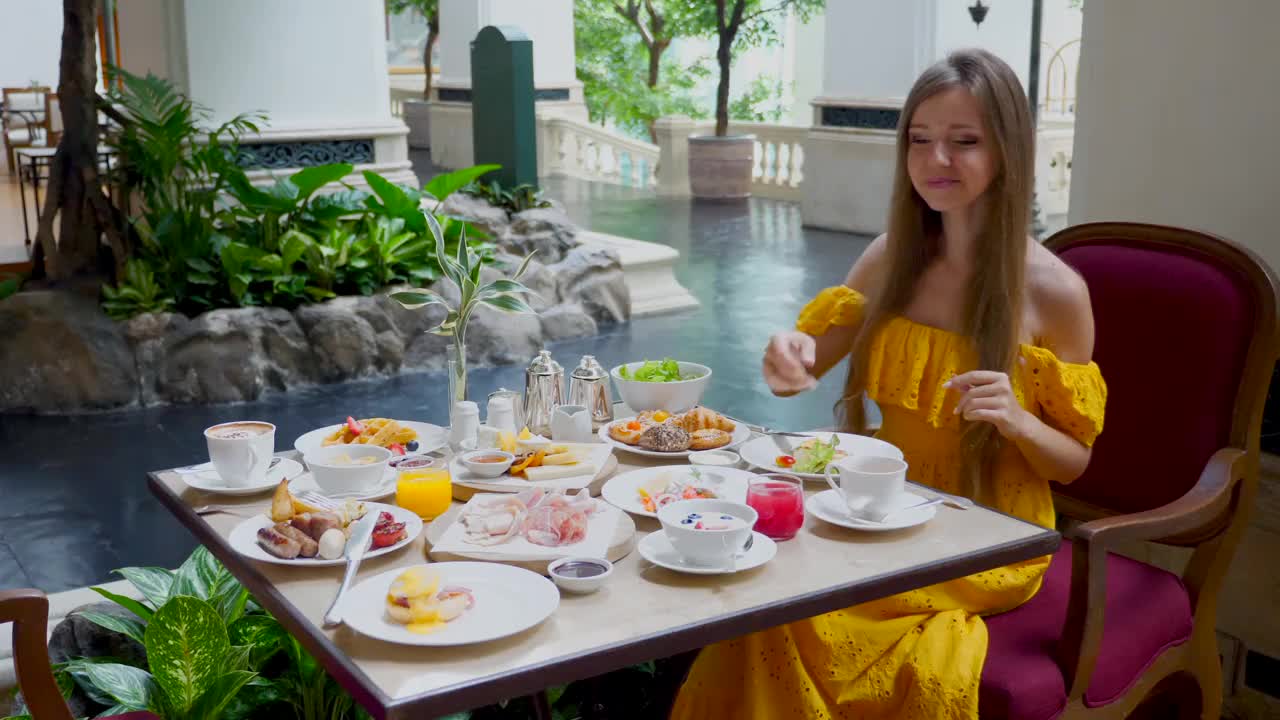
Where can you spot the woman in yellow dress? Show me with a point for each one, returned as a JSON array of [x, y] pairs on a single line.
[[975, 343]]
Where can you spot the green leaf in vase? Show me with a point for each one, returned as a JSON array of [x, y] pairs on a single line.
[[186, 647]]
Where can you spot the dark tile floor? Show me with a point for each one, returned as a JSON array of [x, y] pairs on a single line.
[[73, 500]]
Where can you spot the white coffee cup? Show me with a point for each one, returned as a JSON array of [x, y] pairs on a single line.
[[241, 451], [869, 483]]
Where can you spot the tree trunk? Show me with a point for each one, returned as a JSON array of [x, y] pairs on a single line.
[[75, 196], [433, 34], [724, 54]]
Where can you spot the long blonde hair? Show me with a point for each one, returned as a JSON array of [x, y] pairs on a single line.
[[993, 302]]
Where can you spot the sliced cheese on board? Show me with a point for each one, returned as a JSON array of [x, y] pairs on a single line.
[[556, 472]]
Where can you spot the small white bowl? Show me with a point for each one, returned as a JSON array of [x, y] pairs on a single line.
[[344, 479], [677, 396], [715, 458], [487, 469], [580, 585], [706, 547]]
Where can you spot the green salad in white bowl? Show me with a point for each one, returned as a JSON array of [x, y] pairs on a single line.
[[666, 384]]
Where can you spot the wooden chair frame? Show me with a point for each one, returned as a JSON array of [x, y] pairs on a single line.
[[28, 610], [1211, 516]]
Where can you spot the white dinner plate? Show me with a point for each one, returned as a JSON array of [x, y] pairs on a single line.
[[739, 435], [763, 451], [508, 600], [210, 482], [656, 548], [621, 491], [244, 538], [829, 506], [430, 437], [307, 482]]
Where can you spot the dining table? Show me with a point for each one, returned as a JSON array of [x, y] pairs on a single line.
[[644, 612]]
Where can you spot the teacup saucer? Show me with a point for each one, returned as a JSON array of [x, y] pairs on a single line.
[[829, 505], [656, 548], [306, 481], [209, 481]]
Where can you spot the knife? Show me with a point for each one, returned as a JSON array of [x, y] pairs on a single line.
[[356, 546]]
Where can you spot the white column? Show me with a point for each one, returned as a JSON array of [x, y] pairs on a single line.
[[548, 23], [1177, 118], [317, 68], [873, 52]]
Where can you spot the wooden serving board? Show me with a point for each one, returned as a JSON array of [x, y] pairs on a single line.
[[620, 546], [463, 490]]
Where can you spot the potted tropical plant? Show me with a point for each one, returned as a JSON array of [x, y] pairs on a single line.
[[720, 165]]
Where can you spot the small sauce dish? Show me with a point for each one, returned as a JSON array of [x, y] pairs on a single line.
[[487, 463], [715, 458], [580, 575]]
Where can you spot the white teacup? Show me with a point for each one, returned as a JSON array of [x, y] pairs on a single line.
[[241, 451], [708, 547], [869, 483]]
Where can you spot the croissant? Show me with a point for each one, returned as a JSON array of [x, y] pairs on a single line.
[[701, 418]]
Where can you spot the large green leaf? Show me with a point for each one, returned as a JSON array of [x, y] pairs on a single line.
[[451, 269], [127, 603], [129, 627], [191, 578], [186, 648], [309, 180], [446, 184], [508, 303], [217, 696], [395, 201], [262, 634], [418, 297], [129, 686]]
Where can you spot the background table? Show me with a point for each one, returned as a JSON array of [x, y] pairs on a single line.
[[643, 613]]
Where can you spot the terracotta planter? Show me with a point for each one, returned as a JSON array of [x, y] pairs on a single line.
[[720, 167]]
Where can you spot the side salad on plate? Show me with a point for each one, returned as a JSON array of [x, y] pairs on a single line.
[[812, 456]]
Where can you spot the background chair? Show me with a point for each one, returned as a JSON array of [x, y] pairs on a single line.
[[28, 610], [1187, 341], [23, 121]]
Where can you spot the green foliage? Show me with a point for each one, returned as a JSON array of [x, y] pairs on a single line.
[[613, 64], [761, 102], [513, 200], [137, 293], [10, 283]]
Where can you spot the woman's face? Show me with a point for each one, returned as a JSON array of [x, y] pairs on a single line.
[[951, 159]]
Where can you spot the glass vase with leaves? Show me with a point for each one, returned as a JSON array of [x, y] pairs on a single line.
[[503, 294]]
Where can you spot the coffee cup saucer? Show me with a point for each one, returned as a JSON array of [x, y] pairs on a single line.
[[657, 549], [829, 506], [306, 482], [209, 481]]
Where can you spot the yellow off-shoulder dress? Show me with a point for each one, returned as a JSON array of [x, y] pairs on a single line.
[[918, 654]]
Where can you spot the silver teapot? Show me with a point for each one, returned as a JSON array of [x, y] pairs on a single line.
[[589, 387], [543, 392]]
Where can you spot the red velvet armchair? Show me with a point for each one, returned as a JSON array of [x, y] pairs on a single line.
[[28, 610], [1187, 341]]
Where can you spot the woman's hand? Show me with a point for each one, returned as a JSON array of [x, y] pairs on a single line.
[[988, 397], [788, 363]]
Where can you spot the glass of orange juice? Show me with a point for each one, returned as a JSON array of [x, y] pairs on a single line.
[[427, 492]]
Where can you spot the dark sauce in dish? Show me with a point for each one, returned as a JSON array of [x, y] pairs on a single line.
[[580, 569]]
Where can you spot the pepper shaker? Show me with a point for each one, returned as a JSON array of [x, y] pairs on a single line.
[[589, 387], [543, 391]]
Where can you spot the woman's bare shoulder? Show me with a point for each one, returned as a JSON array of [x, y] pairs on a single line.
[[869, 267], [1060, 300]]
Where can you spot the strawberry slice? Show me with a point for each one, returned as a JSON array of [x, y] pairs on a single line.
[[354, 426], [396, 448]]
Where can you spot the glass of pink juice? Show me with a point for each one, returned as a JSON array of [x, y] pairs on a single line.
[[779, 500]]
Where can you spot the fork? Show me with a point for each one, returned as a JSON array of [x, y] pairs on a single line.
[[314, 498], [225, 509], [956, 501]]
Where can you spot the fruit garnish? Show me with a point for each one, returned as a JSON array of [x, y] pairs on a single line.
[[634, 425], [525, 434], [396, 448], [388, 534], [785, 461], [412, 446], [354, 426]]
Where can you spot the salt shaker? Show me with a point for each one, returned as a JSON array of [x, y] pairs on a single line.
[[466, 425], [589, 387], [501, 413], [543, 391]]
